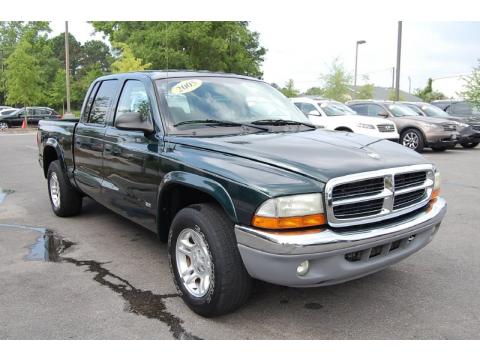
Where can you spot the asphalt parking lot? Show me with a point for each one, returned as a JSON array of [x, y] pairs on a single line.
[[112, 281]]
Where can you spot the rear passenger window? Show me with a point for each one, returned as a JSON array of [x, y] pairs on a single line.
[[101, 103], [88, 105], [375, 110]]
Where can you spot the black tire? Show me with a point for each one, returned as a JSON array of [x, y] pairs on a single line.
[[470, 145], [3, 125], [230, 285], [412, 133], [70, 200], [439, 149]]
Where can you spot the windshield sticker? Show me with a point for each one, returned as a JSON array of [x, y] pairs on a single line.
[[186, 86]]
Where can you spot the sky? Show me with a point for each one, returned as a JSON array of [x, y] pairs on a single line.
[[303, 50]]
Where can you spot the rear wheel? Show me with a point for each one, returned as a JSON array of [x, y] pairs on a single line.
[[470, 145], [413, 139], [205, 261], [3, 125], [65, 199]]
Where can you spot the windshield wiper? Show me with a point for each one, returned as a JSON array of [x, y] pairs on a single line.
[[218, 122], [281, 122]]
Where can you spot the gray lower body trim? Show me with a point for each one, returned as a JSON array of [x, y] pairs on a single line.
[[275, 257]]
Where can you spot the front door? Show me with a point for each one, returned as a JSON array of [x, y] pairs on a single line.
[[130, 160]]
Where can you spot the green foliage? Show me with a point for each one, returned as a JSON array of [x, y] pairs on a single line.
[[392, 96], [23, 78], [472, 87], [80, 86], [126, 61], [289, 89], [227, 46], [427, 94], [56, 94], [336, 82], [315, 91], [365, 92]]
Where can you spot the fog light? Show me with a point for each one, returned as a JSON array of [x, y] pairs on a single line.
[[303, 268]]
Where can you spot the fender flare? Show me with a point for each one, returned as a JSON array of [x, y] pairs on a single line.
[[201, 183], [53, 143]]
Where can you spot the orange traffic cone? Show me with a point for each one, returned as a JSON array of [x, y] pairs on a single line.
[[24, 124]]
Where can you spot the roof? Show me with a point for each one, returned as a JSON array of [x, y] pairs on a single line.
[[173, 73], [383, 93]]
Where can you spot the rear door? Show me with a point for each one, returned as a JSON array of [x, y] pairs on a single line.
[[89, 137]]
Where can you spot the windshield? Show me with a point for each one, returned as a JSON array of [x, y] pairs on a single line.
[[332, 108], [221, 101], [401, 110], [434, 111]]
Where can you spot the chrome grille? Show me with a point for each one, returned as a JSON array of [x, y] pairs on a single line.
[[386, 128], [449, 127], [377, 195]]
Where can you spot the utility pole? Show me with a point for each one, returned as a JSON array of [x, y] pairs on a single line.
[[393, 77], [399, 55], [359, 42], [409, 85], [67, 71]]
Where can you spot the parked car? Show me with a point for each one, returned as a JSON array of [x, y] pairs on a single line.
[[469, 132], [7, 111], [3, 107], [416, 132], [226, 168], [333, 115], [459, 108], [34, 115]]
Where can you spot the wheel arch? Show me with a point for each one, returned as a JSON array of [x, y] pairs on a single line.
[[411, 127], [344, 128], [52, 151], [179, 189]]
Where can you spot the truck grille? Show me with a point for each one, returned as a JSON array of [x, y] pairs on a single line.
[[386, 128], [378, 195], [449, 127]]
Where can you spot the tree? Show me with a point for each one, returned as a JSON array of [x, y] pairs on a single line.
[[315, 91], [472, 87], [289, 89], [365, 92], [126, 61], [57, 92], [227, 46], [336, 82], [75, 51], [96, 52], [23, 76], [80, 86], [427, 94]]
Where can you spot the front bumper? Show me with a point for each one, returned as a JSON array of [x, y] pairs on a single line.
[[468, 135], [274, 257], [442, 139]]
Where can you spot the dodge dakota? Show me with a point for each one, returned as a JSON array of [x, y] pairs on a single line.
[[238, 182]]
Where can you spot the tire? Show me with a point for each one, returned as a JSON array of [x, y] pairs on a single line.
[[229, 285], [439, 149], [3, 125], [413, 139], [64, 199], [470, 145]]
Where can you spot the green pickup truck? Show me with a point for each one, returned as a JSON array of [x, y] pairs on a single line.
[[240, 184]]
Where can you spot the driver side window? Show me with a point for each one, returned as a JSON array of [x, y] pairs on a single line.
[[307, 108], [375, 110], [134, 98]]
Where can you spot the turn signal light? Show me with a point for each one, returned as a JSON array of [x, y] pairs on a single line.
[[293, 222], [435, 193]]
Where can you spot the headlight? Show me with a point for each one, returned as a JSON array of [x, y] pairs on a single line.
[[289, 212], [462, 125], [436, 186], [432, 126], [365, 126]]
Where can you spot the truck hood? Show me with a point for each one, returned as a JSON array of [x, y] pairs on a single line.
[[428, 119], [318, 154]]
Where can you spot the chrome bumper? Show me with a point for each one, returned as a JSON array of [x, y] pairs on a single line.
[[274, 257]]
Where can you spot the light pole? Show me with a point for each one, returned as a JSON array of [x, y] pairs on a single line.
[[359, 42], [399, 55], [68, 114]]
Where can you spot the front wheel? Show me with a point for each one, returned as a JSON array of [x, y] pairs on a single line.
[[413, 139], [3, 125], [206, 264], [470, 145]]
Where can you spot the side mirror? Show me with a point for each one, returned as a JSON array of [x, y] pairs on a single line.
[[314, 113], [134, 121], [383, 114]]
